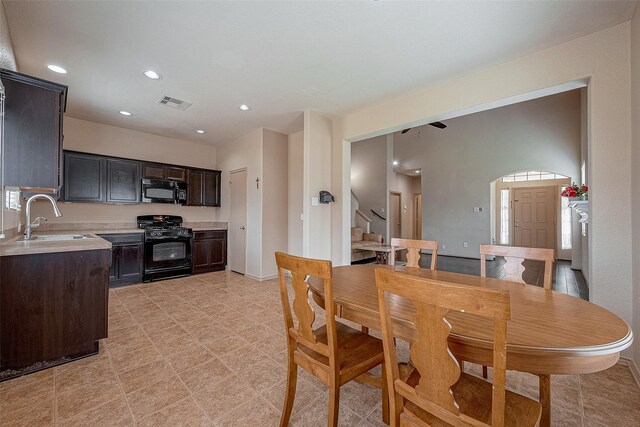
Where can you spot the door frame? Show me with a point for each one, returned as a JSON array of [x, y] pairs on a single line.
[[244, 169], [417, 216], [564, 254], [389, 226]]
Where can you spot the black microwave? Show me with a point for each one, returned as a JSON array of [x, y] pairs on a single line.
[[163, 191]]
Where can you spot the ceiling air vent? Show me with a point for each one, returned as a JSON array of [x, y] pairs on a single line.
[[175, 103]]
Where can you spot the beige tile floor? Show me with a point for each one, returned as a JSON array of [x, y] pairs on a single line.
[[209, 350]]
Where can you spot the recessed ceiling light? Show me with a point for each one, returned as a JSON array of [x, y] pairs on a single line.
[[57, 69], [418, 171], [244, 107], [152, 75], [396, 163], [200, 131], [126, 113]]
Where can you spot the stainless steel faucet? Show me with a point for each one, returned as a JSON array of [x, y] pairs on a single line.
[[36, 222]]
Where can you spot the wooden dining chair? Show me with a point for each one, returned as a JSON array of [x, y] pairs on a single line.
[[514, 256], [414, 247], [513, 269], [436, 392], [334, 352]]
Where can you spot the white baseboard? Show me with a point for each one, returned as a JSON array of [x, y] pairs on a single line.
[[261, 279]]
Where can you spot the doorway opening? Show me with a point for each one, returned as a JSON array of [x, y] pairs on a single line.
[[395, 215], [529, 212]]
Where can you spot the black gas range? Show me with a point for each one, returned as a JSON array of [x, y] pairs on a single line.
[[167, 247]]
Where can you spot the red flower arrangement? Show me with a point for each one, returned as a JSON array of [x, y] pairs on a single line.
[[575, 191]]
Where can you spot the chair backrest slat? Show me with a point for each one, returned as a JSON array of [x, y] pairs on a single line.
[[430, 354], [301, 269], [413, 251], [514, 256]]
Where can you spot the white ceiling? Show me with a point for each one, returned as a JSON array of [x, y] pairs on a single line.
[[278, 57]]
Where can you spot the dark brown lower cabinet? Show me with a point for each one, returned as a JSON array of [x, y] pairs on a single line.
[[53, 308], [209, 251], [127, 257]]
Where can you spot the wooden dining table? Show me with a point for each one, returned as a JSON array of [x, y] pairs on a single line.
[[550, 333]]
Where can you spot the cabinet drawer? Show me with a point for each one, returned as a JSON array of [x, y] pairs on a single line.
[[123, 237], [210, 234]]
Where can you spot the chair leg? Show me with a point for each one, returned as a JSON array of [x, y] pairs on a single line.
[[290, 393], [385, 396], [334, 402], [365, 329], [545, 400], [485, 372]]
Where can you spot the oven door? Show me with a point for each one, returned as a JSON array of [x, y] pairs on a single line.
[[168, 257]]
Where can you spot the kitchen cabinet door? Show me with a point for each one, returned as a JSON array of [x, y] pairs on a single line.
[[123, 181], [211, 188], [209, 251], [32, 131], [176, 173], [153, 170], [84, 176], [53, 306], [131, 259], [195, 192], [127, 258]]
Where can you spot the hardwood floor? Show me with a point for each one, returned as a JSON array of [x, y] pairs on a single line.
[[566, 280]]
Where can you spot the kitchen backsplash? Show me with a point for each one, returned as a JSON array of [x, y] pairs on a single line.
[[123, 216]]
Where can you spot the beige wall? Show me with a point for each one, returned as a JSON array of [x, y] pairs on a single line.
[[275, 200], [602, 59], [89, 137], [460, 163], [317, 176], [295, 190], [244, 153], [7, 58], [635, 178]]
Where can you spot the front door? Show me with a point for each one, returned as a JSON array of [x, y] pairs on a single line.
[[238, 222], [534, 217]]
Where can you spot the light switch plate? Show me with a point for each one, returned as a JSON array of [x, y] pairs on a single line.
[[314, 201]]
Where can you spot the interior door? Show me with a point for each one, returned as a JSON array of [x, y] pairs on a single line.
[[395, 216], [238, 222], [534, 217]]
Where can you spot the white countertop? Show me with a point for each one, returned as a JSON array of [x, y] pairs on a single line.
[[16, 246]]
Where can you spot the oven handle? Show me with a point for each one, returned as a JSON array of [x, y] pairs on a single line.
[[177, 239]]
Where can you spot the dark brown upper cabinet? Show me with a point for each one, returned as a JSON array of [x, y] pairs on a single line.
[[195, 191], [153, 170], [176, 173], [84, 177], [103, 179], [160, 171], [32, 131], [204, 187], [123, 181], [212, 188]]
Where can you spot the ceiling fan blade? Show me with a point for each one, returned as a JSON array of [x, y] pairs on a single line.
[[405, 131], [438, 125]]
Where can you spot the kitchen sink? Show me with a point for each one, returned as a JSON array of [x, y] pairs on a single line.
[[57, 237]]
